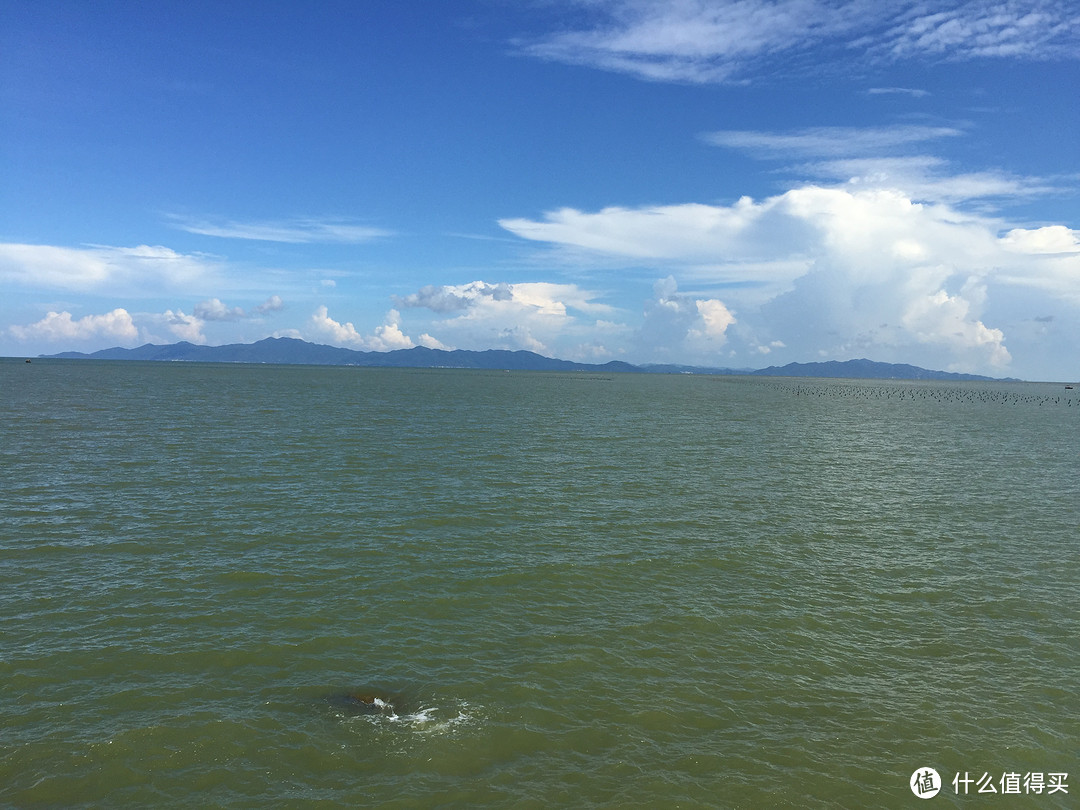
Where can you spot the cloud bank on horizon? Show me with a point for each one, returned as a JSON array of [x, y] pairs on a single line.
[[731, 183]]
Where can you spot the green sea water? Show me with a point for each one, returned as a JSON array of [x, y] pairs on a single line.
[[565, 590]]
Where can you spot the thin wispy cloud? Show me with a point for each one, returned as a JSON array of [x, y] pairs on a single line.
[[1015, 29], [691, 42], [880, 157], [924, 177], [827, 141], [914, 92], [296, 231], [727, 40], [101, 268]]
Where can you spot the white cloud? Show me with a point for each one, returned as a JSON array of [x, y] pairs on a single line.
[[302, 230], [873, 157], [455, 298], [271, 304], [767, 349], [185, 327], [288, 333], [537, 316], [536, 298], [389, 336], [690, 231], [1045, 258], [56, 326], [679, 326], [715, 317], [747, 242], [386, 337], [940, 318], [865, 158], [695, 42], [1022, 29], [914, 92], [121, 326], [866, 268], [337, 333], [522, 337], [556, 299], [926, 178], [828, 141], [1052, 239], [702, 41], [430, 342], [214, 310], [101, 268]]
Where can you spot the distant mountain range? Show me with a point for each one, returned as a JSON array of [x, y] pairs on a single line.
[[290, 351]]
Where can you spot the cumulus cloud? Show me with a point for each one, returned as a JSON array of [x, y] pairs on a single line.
[[1046, 258], [681, 325], [271, 304], [429, 342], [185, 327], [102, 268], [303, 230], [1049, 240], [722, 41], [941, 318], [386, 337], [121, 326], [863, 268], [715, 318], [57, 326], [338, 333], [214, 310], [537, 298], [544, 317], [455, 298], [389, 336]]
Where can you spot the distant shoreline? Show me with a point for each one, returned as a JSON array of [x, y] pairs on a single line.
[[291, 351]]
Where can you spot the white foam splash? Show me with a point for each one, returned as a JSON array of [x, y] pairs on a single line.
[[425, 720]]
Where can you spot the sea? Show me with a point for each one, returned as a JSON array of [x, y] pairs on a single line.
[[257, 586]]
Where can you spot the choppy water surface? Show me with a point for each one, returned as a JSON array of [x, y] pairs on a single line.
[[562, 590]]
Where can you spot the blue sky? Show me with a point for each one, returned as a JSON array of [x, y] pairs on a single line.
[[739, 184]]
